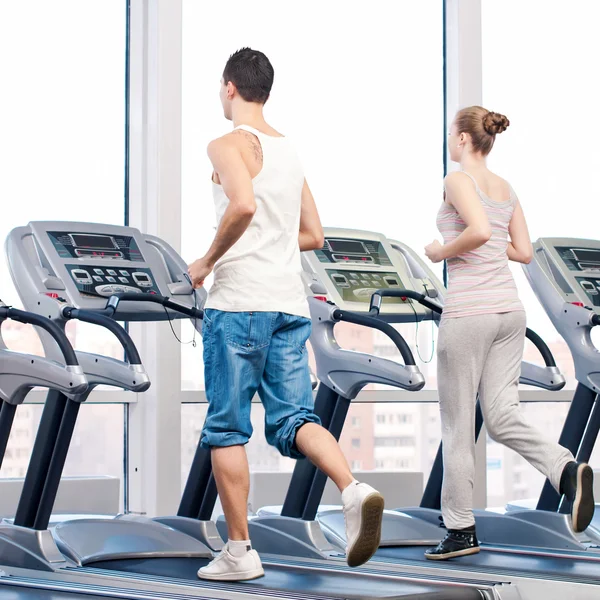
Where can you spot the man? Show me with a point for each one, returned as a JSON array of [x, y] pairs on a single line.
[[257, 320]]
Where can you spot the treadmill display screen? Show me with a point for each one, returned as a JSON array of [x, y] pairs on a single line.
[[353, 251], [591, 287], [359, 286], [96, 242], [347, 246], [580, 259], [100, 246]]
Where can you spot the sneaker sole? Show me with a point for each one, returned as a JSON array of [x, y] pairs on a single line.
[[583, 505], [456, 554], [369, 536], [243, 576]]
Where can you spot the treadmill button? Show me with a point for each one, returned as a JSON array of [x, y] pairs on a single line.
[[132, 289], [98, 278], [123, 280], [124, 273], [99, 271], [118, 289], [111, 272], [105, 290], [111, 279], [365, 292]]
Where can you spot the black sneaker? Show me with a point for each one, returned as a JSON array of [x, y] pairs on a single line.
[[577, 484], [458, 542]]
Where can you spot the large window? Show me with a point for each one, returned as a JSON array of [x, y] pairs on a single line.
[[359, 91], [63, 157], [550, 92]]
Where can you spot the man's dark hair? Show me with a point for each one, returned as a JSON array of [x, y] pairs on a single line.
[[252, 74]]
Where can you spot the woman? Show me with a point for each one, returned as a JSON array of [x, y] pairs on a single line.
[[482, 334]]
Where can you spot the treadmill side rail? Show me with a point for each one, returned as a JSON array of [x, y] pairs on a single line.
[[86, 541]]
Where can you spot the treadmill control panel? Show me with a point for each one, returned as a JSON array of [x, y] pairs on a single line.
[[359, 286], [353, 264], [574, 267], [580, 259], [102, 281], [84, 264]]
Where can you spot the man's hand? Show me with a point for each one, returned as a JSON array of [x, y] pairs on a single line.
[[198, 271], [435, 252]]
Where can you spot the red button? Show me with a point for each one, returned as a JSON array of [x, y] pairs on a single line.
[[52, 295], [577, 304], [321, 298]]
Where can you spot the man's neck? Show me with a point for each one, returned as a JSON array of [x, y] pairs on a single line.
[[249, 113]]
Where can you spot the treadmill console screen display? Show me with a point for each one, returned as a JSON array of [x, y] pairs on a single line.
[[95, 242], [348, 246], [359, 286], [580, 259], [591, 287], [71, 244], [352, 251]]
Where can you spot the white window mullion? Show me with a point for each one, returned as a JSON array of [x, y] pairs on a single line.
[[155, 208]]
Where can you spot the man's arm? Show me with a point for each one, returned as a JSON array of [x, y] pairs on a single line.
[[236, 181], [310, 236], [237, 184]]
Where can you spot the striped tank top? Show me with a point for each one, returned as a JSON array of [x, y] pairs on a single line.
[[480, 281]]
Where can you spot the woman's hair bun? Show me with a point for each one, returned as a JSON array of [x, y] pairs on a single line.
[[495, 123]]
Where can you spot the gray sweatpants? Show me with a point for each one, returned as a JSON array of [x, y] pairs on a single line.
[[483, 354]]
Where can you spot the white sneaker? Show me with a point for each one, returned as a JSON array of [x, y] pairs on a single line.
[[363, 511], [226, 567]]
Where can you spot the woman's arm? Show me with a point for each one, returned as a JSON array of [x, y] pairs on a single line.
[[519, 248], [461, 194]]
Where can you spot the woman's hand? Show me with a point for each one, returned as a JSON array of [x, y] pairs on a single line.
[[435, 252]]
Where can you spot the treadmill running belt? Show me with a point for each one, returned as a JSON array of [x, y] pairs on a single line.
[[502, 563], [333, 584], [22, 593]]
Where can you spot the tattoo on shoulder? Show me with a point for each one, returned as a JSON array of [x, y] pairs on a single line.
[[252, 143]]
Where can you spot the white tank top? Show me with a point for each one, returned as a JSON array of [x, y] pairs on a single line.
[[262, 271]]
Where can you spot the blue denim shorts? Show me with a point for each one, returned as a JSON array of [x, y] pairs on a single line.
[[256, 352]]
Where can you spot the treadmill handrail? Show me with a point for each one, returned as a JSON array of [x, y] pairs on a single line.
[[95, 318], [386, 328], [52, 328], [542, 347], [190, 311], [377, 297]]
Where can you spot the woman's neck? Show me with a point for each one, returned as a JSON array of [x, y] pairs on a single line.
[[473, 162]]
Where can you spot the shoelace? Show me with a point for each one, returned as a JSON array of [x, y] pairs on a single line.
[[220, 556], [461, 535]]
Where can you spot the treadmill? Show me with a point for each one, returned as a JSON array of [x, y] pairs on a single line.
[[565, 276], [55, 267], [541, 550], [19, 373]]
